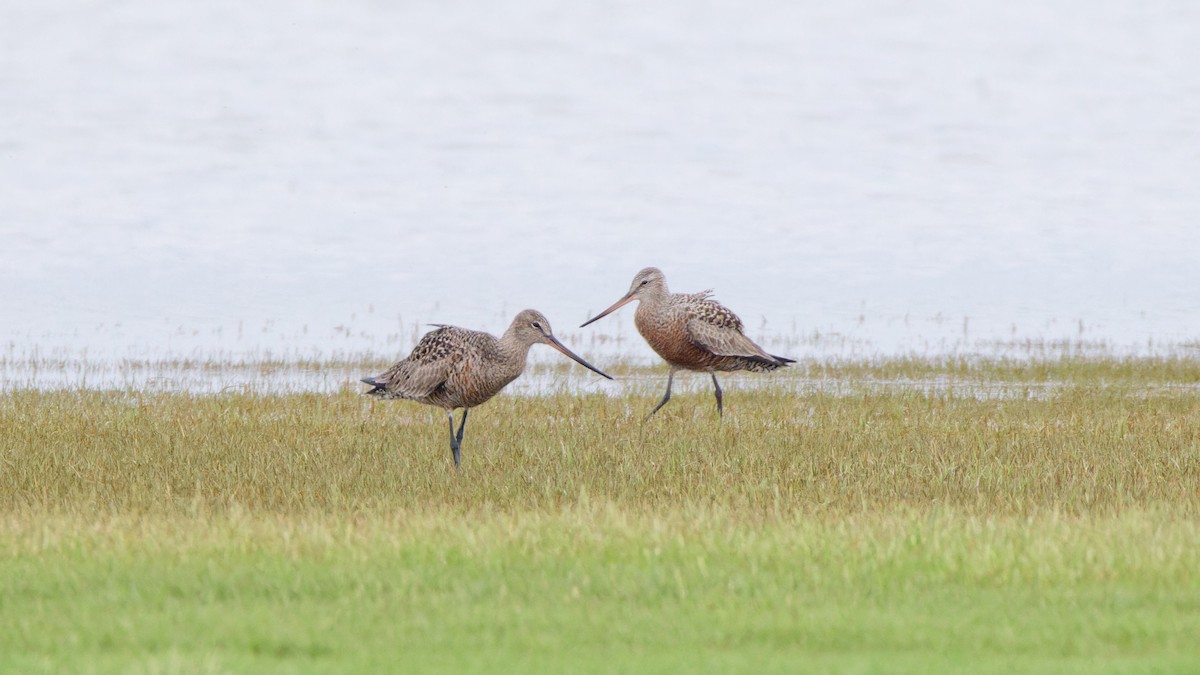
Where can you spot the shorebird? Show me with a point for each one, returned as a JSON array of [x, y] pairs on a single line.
[[691, 332], [454, 367]]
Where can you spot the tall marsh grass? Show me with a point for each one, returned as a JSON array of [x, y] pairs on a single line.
[[1084, 449]]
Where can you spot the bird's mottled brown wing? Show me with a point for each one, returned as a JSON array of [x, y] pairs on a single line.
[[429, 365], [713, 327]]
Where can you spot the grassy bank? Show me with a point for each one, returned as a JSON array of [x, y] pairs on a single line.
[[893, 530], [598, 589]]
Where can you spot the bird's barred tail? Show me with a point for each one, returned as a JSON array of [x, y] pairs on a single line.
[[763, 364]]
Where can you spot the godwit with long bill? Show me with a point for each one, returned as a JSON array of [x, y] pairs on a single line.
[[691, 332], [455, 367]]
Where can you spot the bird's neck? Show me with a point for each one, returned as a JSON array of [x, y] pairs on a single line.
[[652, 298], [655, 293], [514, 350]]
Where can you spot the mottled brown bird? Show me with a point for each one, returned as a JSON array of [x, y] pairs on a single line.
[[691, 332], [454, 367]]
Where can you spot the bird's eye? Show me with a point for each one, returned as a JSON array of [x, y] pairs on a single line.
[[645, 281], [536, 325]]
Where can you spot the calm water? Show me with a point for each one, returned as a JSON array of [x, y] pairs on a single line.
[[307, 179]]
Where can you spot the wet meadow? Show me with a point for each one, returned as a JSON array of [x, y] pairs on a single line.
[[899, 515]]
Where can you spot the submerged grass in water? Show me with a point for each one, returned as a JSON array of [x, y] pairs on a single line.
[[548, 372], [895, 529]]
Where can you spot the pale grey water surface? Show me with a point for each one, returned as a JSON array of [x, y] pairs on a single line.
[[854, 178]]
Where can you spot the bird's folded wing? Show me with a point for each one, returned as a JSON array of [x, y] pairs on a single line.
[[431, 363], [723, 337], [416, 379]]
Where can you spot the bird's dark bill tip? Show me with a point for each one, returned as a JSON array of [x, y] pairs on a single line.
[[553, 342], [594, 369]]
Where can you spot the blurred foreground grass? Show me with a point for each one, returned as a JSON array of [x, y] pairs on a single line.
[[896, 530]]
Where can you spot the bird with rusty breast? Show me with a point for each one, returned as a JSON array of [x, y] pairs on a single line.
[[691, 332], [455, 367]]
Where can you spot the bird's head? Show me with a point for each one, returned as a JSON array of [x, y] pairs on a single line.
[[532, 327], [650, 282]]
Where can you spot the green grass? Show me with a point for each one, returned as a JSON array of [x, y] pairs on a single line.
[[878, 531], [598, 590]]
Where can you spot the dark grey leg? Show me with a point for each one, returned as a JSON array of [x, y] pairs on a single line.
[[718, 386], [455, 443], [463, 425], [666, 397]]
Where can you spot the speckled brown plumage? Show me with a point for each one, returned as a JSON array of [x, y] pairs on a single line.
[[692, 332], [455, 367]]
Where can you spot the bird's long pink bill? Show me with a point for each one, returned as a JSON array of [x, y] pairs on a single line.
[[553, 342], [616, 305]]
